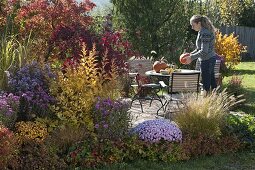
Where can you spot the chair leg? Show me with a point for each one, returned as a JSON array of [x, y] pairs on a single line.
[[133, 99], [168, 114], [141, 105], [131, 103], [151, 102], [163, 105], [177, 103], [168, 104]]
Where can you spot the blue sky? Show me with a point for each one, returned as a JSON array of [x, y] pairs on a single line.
[[99, 2]]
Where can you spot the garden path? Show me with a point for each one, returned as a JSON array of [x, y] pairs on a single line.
[[149, 112]]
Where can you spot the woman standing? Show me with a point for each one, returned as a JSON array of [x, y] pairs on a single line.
[[204, 50]]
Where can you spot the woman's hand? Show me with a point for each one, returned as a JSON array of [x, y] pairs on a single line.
[[188, 60]]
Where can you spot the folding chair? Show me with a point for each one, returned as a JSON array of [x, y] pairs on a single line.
[[181, 82], [217, 73], [145, 90]]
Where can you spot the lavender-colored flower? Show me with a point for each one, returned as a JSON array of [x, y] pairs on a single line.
[[31, 82], [97, 106], [9, 105], [104, 112], [155, 130], [96, 126], [112, 116], [105, 126]]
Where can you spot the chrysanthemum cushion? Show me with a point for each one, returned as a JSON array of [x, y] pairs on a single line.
[[155, 130]]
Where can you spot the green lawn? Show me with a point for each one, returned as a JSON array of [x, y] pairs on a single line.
[[247, 71], [233, 161]]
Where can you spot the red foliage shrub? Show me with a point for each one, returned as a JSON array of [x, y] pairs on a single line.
[[194, 146], [7, 146], [42, 17], [66, 44]]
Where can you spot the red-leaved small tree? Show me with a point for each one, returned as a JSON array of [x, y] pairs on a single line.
[[42, 17]]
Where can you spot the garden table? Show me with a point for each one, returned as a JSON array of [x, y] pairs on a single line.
[[181, 80], [167, 77]]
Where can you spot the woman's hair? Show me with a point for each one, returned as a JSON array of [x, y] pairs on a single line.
[[204, 20]]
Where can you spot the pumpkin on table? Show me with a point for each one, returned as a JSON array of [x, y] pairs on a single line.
[[159, 65]]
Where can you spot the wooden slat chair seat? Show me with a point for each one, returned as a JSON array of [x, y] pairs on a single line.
[[181, 83]]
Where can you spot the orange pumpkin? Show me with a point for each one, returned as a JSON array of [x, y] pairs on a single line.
[[183, 57], [159, 65]]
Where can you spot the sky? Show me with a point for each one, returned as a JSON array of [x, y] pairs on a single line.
[[99, 2]]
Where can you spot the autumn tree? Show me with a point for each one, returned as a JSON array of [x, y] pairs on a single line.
[[230, 12], [247, 16], [42, 17]]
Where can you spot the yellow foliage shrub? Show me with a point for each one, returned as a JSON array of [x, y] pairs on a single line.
[[76, 90], [228, 47], [35, 131]]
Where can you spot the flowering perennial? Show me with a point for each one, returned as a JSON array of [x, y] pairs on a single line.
[[111, 118], [155, 130], [9, 105], [31, 83]]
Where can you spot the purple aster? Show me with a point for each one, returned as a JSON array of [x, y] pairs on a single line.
[[105, 126], [96, 126]]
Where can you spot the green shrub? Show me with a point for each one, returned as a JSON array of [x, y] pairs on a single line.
[[205, 115], [94, 153], [242, 126], [124, 83]]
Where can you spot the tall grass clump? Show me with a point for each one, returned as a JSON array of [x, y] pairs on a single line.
[[205, 115], [13, 54]]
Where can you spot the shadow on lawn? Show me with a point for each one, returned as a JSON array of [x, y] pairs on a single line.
[[247, 108], [249, 105], [243, 72]]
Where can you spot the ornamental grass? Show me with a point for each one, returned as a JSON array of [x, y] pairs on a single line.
[[205, 115]]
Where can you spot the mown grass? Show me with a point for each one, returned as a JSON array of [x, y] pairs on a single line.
[[247, 71], [244, 160], [233, 161]]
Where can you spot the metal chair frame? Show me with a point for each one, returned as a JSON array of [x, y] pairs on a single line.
[[180, 83], [138, 67]]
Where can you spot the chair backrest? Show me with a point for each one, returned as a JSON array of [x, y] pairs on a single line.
[[140, 66], [184, 82], [216, 67], [198, 64]]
